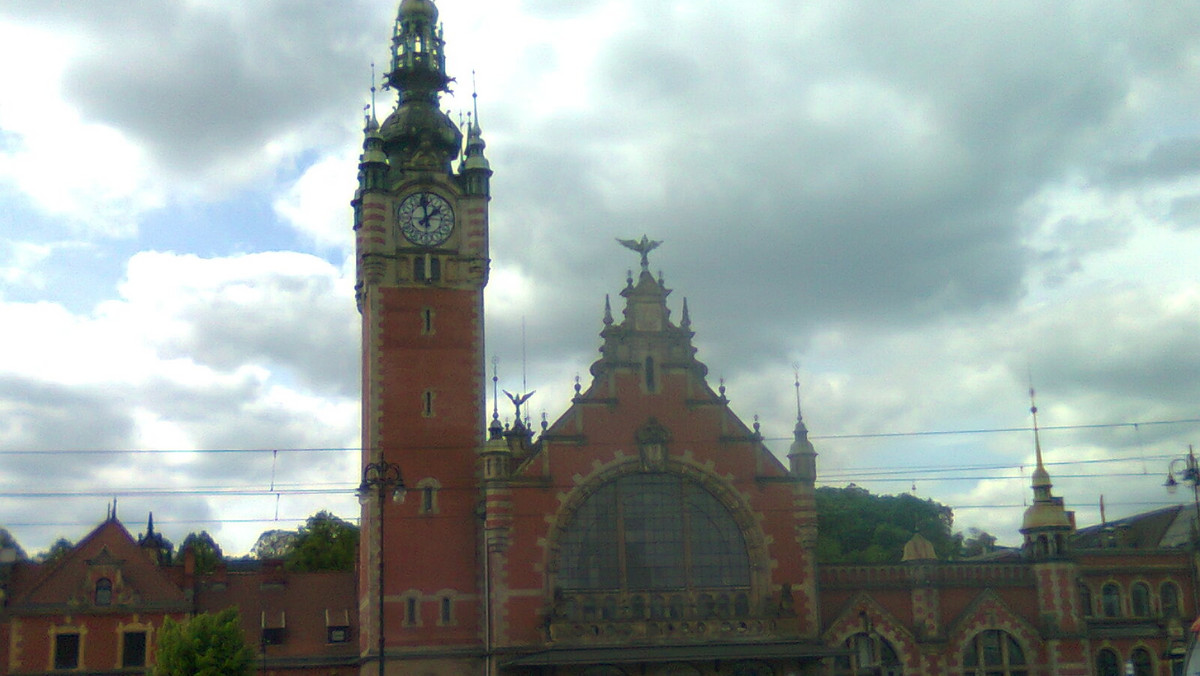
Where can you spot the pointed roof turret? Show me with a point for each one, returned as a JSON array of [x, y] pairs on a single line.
[[802, 457], [1046, 523]]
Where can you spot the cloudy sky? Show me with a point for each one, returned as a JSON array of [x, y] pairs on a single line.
[[922, 205]]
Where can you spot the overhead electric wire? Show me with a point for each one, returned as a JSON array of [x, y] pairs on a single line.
[[827, 437]]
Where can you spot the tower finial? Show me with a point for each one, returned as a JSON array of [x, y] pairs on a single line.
[[799, 416], [1037, 442], [474, 98], [495, 388]]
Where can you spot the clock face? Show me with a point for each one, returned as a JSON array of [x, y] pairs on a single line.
[[425, 219]]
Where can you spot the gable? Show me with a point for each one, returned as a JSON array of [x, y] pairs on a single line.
[[109, 553]]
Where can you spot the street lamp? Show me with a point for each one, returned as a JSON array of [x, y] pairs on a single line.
[[381, 478], [1189, 473]]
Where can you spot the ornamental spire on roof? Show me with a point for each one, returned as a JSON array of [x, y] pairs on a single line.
[[419, 135]]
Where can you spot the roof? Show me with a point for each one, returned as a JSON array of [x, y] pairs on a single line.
[[108, 552], [1167, 528]]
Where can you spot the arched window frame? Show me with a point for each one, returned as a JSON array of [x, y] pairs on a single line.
[[1139, 599], [428, 490], [994, 652], [412, 608], [445, 606], [104, 592], [652, 548], [1142, 660], [1086, 604], [1110, 599], [1108, 663], [1169, 599], [674, 604]]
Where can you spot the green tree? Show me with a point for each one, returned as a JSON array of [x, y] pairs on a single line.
[[324, 542], [205, 645], [977, 542], [206, 550], [274, 544], [57, 551], [858, 527]]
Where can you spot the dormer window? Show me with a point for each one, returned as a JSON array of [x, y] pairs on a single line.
[[103, 592]]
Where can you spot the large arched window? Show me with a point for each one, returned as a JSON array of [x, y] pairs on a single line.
[[994, 653], [869, 653], [645, 532], [1107, 663]]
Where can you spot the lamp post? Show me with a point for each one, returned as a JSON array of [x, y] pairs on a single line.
[[381, 478], [1189, 472]]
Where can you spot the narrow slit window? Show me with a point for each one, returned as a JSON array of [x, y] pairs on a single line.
[[651, 376], [427, 404], [410, 611], [446, 608], [427, 321]]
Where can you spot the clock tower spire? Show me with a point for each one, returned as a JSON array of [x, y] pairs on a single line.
[[421, 231]]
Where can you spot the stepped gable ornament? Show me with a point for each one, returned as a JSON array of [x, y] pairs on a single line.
[[643, 246]]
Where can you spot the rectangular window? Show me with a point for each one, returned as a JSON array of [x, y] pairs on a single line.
[[410, 611], [272, 635], [338, 634], [447, 606], [66, 651], [134, 649]]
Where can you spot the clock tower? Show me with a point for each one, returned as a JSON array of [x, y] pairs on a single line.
[[421, 227]]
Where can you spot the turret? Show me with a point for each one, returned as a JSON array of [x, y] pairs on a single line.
[[802, 457], [1047, 525], [418, 135]]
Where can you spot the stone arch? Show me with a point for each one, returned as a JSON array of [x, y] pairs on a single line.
[[863, 613], [988, 611]]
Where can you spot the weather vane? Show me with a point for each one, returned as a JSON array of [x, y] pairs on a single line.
[[644, 247]]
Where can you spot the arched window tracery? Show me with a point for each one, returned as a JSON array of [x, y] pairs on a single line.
[[993, 652], [653, 545], [652, 531]]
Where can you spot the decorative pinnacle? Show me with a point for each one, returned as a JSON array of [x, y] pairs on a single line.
[[608, 317], [1037, 442], [643, 246], [685, 321], [800, 426]]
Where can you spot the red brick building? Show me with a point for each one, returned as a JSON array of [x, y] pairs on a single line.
[[98, 609], [649, 530]]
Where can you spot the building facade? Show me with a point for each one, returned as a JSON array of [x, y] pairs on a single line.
[[649, 530]]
